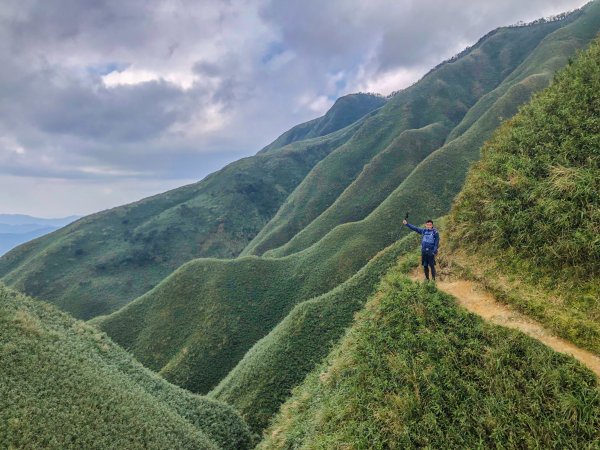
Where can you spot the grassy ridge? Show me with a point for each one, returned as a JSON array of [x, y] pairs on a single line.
[[293, 348], [415, 371], [442, 97], [376, 181], [217, 310], [531, 204], [345, 111], [65, 385], [200, 321]]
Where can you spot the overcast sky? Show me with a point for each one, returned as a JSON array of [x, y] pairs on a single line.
[[105, 102]]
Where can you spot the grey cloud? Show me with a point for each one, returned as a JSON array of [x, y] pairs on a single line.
[[430, 31], [120, 114], [396, 33], [259, 68]]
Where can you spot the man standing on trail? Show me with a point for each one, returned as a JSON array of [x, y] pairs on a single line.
[[429, 246]]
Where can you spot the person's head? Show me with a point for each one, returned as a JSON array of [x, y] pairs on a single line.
[[429, 223]]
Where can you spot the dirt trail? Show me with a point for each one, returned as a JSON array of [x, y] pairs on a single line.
[[480, 302]]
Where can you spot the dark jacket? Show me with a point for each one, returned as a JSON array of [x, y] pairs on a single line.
[[430, 241]]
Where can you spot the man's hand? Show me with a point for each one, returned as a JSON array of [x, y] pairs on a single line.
[[404, 222]]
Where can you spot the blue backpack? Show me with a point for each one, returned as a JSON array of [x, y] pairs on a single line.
[[428, 241]]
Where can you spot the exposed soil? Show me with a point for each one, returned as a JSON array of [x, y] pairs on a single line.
[[482, 303]]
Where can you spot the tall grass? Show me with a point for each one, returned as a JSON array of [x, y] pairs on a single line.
[[263, 379], [415, 371], [532, 204], [64, 385]]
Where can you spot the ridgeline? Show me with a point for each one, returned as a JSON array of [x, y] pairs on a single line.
[[64, 384]]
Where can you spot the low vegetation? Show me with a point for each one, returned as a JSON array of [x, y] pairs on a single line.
[[411, 125], [416, 371], [529, 211], [292, 349], [63, 384]]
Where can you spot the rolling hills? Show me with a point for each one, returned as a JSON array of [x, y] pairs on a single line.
[[413, 123], [105, 260], [200, 322], [316, 217], [65, 385], [301, 340]]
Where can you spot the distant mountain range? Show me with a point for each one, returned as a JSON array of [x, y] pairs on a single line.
[[16, 229]]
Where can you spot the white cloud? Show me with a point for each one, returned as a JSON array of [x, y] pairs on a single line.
[[387, 82]]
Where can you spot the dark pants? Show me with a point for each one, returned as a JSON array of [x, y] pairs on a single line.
[[428, 261]]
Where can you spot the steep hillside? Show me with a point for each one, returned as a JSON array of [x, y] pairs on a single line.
[[415, 371], [348, 184], [345, 110], [300, 341], [105, 260], [217, 310], [529, 211], [65, 385]]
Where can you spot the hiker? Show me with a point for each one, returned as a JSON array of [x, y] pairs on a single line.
[[429, 246]]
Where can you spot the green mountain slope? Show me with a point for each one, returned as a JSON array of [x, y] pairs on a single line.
[[345, 111], [65, 385], [530, 208], [263, 394], [415, 371], [433, 107], [377, 179], [262, 380], [105, 260], [198, 323]]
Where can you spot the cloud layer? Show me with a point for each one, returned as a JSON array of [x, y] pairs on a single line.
[[105, 102]]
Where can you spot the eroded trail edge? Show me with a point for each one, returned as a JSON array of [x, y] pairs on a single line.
[[478, 301]]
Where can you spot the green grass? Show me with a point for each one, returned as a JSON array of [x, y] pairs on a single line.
[[375, 182], [292, 349], [105, 260], [416, 371], [530, 206], [200, 321], [63, 384]]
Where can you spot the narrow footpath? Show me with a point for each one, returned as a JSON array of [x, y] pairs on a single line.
[[478, 301]]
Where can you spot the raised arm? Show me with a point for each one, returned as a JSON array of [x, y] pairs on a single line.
[[416, 229]]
